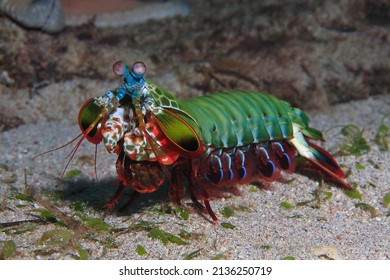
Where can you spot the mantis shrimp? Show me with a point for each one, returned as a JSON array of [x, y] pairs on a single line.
[[214, 141]]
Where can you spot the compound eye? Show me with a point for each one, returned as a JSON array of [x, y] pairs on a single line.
[[139, 68], [118, 68]]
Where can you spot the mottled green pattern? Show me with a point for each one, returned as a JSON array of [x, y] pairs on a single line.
[[162, 97]]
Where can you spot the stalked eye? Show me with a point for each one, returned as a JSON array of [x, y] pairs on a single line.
[[118, 68], [139, 68]]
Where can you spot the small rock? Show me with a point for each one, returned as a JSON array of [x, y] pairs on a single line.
[[328, 252]]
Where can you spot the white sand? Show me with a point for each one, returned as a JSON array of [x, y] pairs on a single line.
[[265, 230]]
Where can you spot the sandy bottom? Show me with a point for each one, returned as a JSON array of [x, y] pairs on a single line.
[[258, 224]]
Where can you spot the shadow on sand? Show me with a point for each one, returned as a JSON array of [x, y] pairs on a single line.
[[97, 194]]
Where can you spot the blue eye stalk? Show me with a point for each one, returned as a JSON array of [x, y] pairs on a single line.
[[133, 80]]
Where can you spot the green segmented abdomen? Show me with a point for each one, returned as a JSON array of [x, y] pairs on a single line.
[[232, 119]]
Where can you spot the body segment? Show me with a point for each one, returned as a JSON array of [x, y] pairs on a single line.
[[238, 118]]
